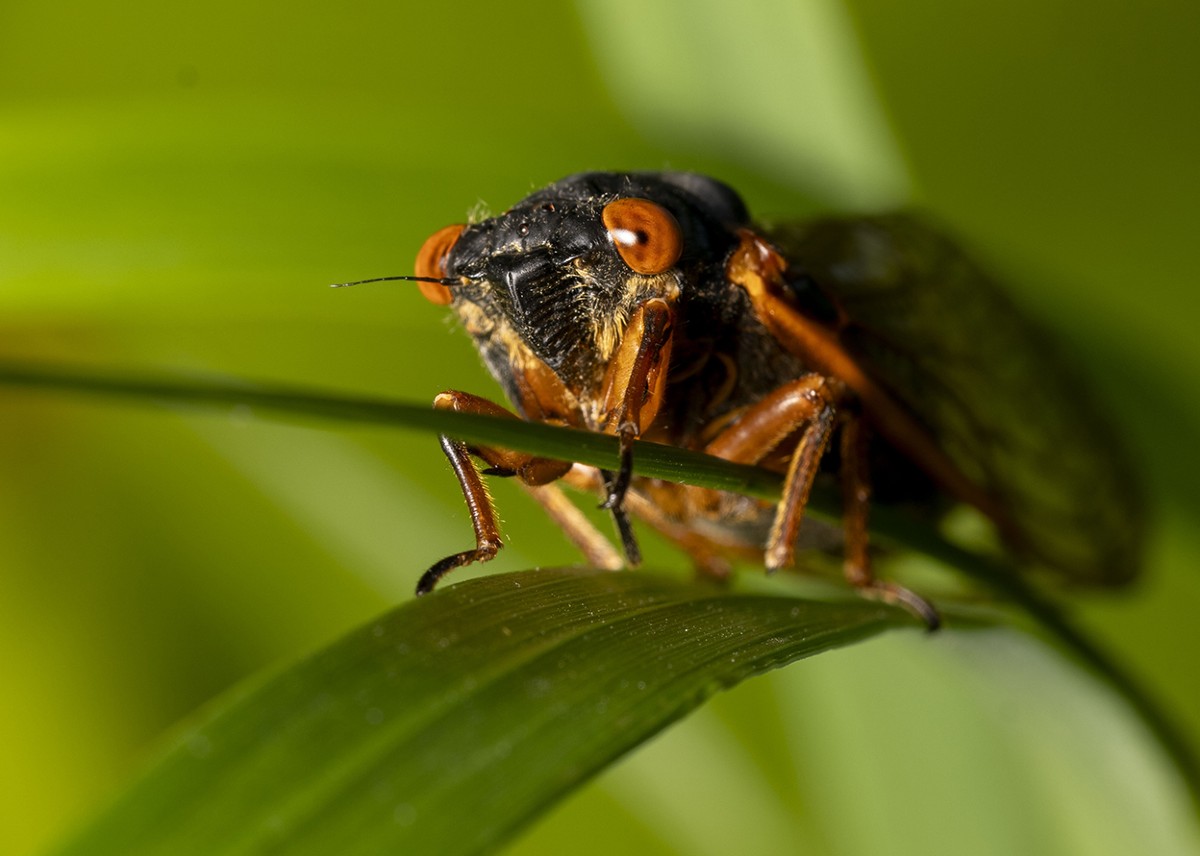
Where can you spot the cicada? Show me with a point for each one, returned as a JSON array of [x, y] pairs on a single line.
[[867, 350]]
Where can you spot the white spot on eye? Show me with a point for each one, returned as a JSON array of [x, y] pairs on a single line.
[[627, 237]]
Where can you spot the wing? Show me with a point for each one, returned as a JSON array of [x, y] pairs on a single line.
[[993, 391]]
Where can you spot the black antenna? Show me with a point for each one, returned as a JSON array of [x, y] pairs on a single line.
[[434, 279]]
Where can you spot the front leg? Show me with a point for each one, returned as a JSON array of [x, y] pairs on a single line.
[[635, 383], [530, 469], [483, 517], [633, 391]]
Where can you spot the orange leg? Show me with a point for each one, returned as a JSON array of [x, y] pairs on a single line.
[[594, 546], [633, 391], [634, 385], [856, 502], [809, 405], [530, 469], [805, 405], [856, 498]]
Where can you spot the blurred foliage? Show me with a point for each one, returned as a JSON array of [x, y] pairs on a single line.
[[177, 186]]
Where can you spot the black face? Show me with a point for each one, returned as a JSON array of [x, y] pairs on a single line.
[[554, 267]]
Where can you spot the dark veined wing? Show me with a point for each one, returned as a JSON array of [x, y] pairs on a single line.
[[993, 391]]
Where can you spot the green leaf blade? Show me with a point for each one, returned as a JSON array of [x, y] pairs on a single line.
[[452, 722]]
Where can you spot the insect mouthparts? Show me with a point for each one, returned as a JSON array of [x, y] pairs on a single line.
[[438, 281]]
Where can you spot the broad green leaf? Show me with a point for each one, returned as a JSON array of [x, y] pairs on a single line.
[[448, 724]]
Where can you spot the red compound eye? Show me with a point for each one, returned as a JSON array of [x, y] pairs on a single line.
[[431, 262], [645, 234]]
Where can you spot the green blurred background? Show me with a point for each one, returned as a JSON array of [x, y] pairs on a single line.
[[179, 183]]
